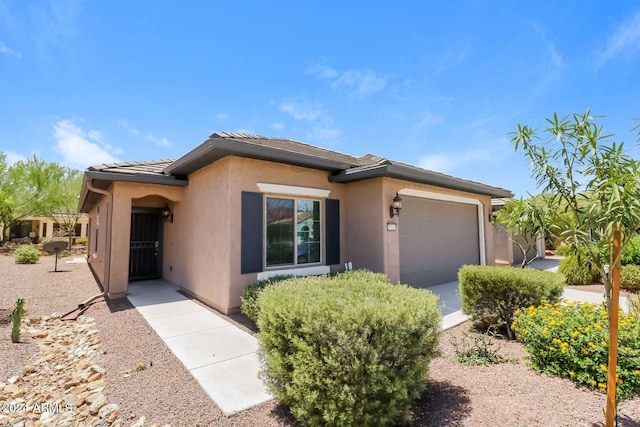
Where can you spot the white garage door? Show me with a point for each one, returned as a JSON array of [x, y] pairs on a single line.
[[436, 238]]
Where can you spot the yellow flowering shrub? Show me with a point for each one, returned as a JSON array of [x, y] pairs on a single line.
[[571, 340]]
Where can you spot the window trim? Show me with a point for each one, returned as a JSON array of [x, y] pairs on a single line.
[[293, 190], [295, 264]]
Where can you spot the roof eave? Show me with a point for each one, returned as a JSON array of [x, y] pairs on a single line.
[[422, 177], [210, 151], [108, 177]]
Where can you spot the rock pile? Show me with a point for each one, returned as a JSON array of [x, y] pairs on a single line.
[[64, 384]]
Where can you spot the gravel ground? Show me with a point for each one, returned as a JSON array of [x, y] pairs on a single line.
[[144, 378]]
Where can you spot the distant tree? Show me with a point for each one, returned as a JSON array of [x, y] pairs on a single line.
[[61, 202], [6, 202], [35, 187], [599, 183]]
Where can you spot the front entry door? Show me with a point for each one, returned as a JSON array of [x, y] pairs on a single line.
[[145, 244]]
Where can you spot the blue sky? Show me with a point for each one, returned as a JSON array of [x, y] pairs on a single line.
[[436, 84]]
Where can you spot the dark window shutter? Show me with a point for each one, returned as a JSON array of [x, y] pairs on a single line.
[[332, 227], [251, 233]]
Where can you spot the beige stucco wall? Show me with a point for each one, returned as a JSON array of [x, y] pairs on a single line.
[[196, 245], [503, 247], [244, 176], [124, 194], [202, 250], [366, 225], [97, 256]]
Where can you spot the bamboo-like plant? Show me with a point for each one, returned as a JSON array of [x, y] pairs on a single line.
[[599, 185]]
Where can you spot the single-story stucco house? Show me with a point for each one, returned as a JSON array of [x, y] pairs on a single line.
[[42, 228], [239, 208]]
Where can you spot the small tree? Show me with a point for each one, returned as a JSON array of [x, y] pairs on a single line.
[[37, 187], [599, 183], [6, 201], [529, 218]]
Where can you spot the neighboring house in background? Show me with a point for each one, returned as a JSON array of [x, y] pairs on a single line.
[[40, 228], [239, 208]]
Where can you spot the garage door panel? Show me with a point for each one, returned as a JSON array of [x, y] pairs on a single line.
[[436, 238]]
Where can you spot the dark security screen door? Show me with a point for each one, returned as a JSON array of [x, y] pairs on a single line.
[[145, 245]]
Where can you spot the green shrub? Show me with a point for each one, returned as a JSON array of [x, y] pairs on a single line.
[[630, 277], [249, 297], [26, 254], [631, 252], [490, 295], [563, 250], [347, 350], [570, 340], [82, 241], [476, 349], [634, 305], [578, 273]]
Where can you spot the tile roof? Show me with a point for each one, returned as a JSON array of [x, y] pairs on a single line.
[[443, 175], [154, 167], [345, 167], [289, 145]]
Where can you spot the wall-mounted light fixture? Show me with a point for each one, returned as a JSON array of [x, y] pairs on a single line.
[[396, 206], [167, 214]]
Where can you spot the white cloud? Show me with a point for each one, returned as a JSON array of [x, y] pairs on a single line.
[[556, 57], [7, 51], [322, 128], [13, 157], [222, 117], [159, 141], [55, 24], [323, 71], [302, 110], [95, 135], [79, 148], [428, 119], [450, 162], [624, 40], [452, 57], [360, 83], [364, 83], [324, 133]]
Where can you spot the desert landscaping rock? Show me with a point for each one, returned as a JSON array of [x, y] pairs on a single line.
[[63, 384]]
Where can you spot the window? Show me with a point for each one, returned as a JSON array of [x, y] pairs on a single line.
[[293, 231]]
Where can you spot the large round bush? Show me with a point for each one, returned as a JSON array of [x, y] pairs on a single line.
[[249, 298], [492, 294], [578, 272], [26, 254], [630, 277], [631, 252], [347, 350]]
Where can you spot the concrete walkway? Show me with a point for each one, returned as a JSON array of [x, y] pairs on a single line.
[[219, 355]]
